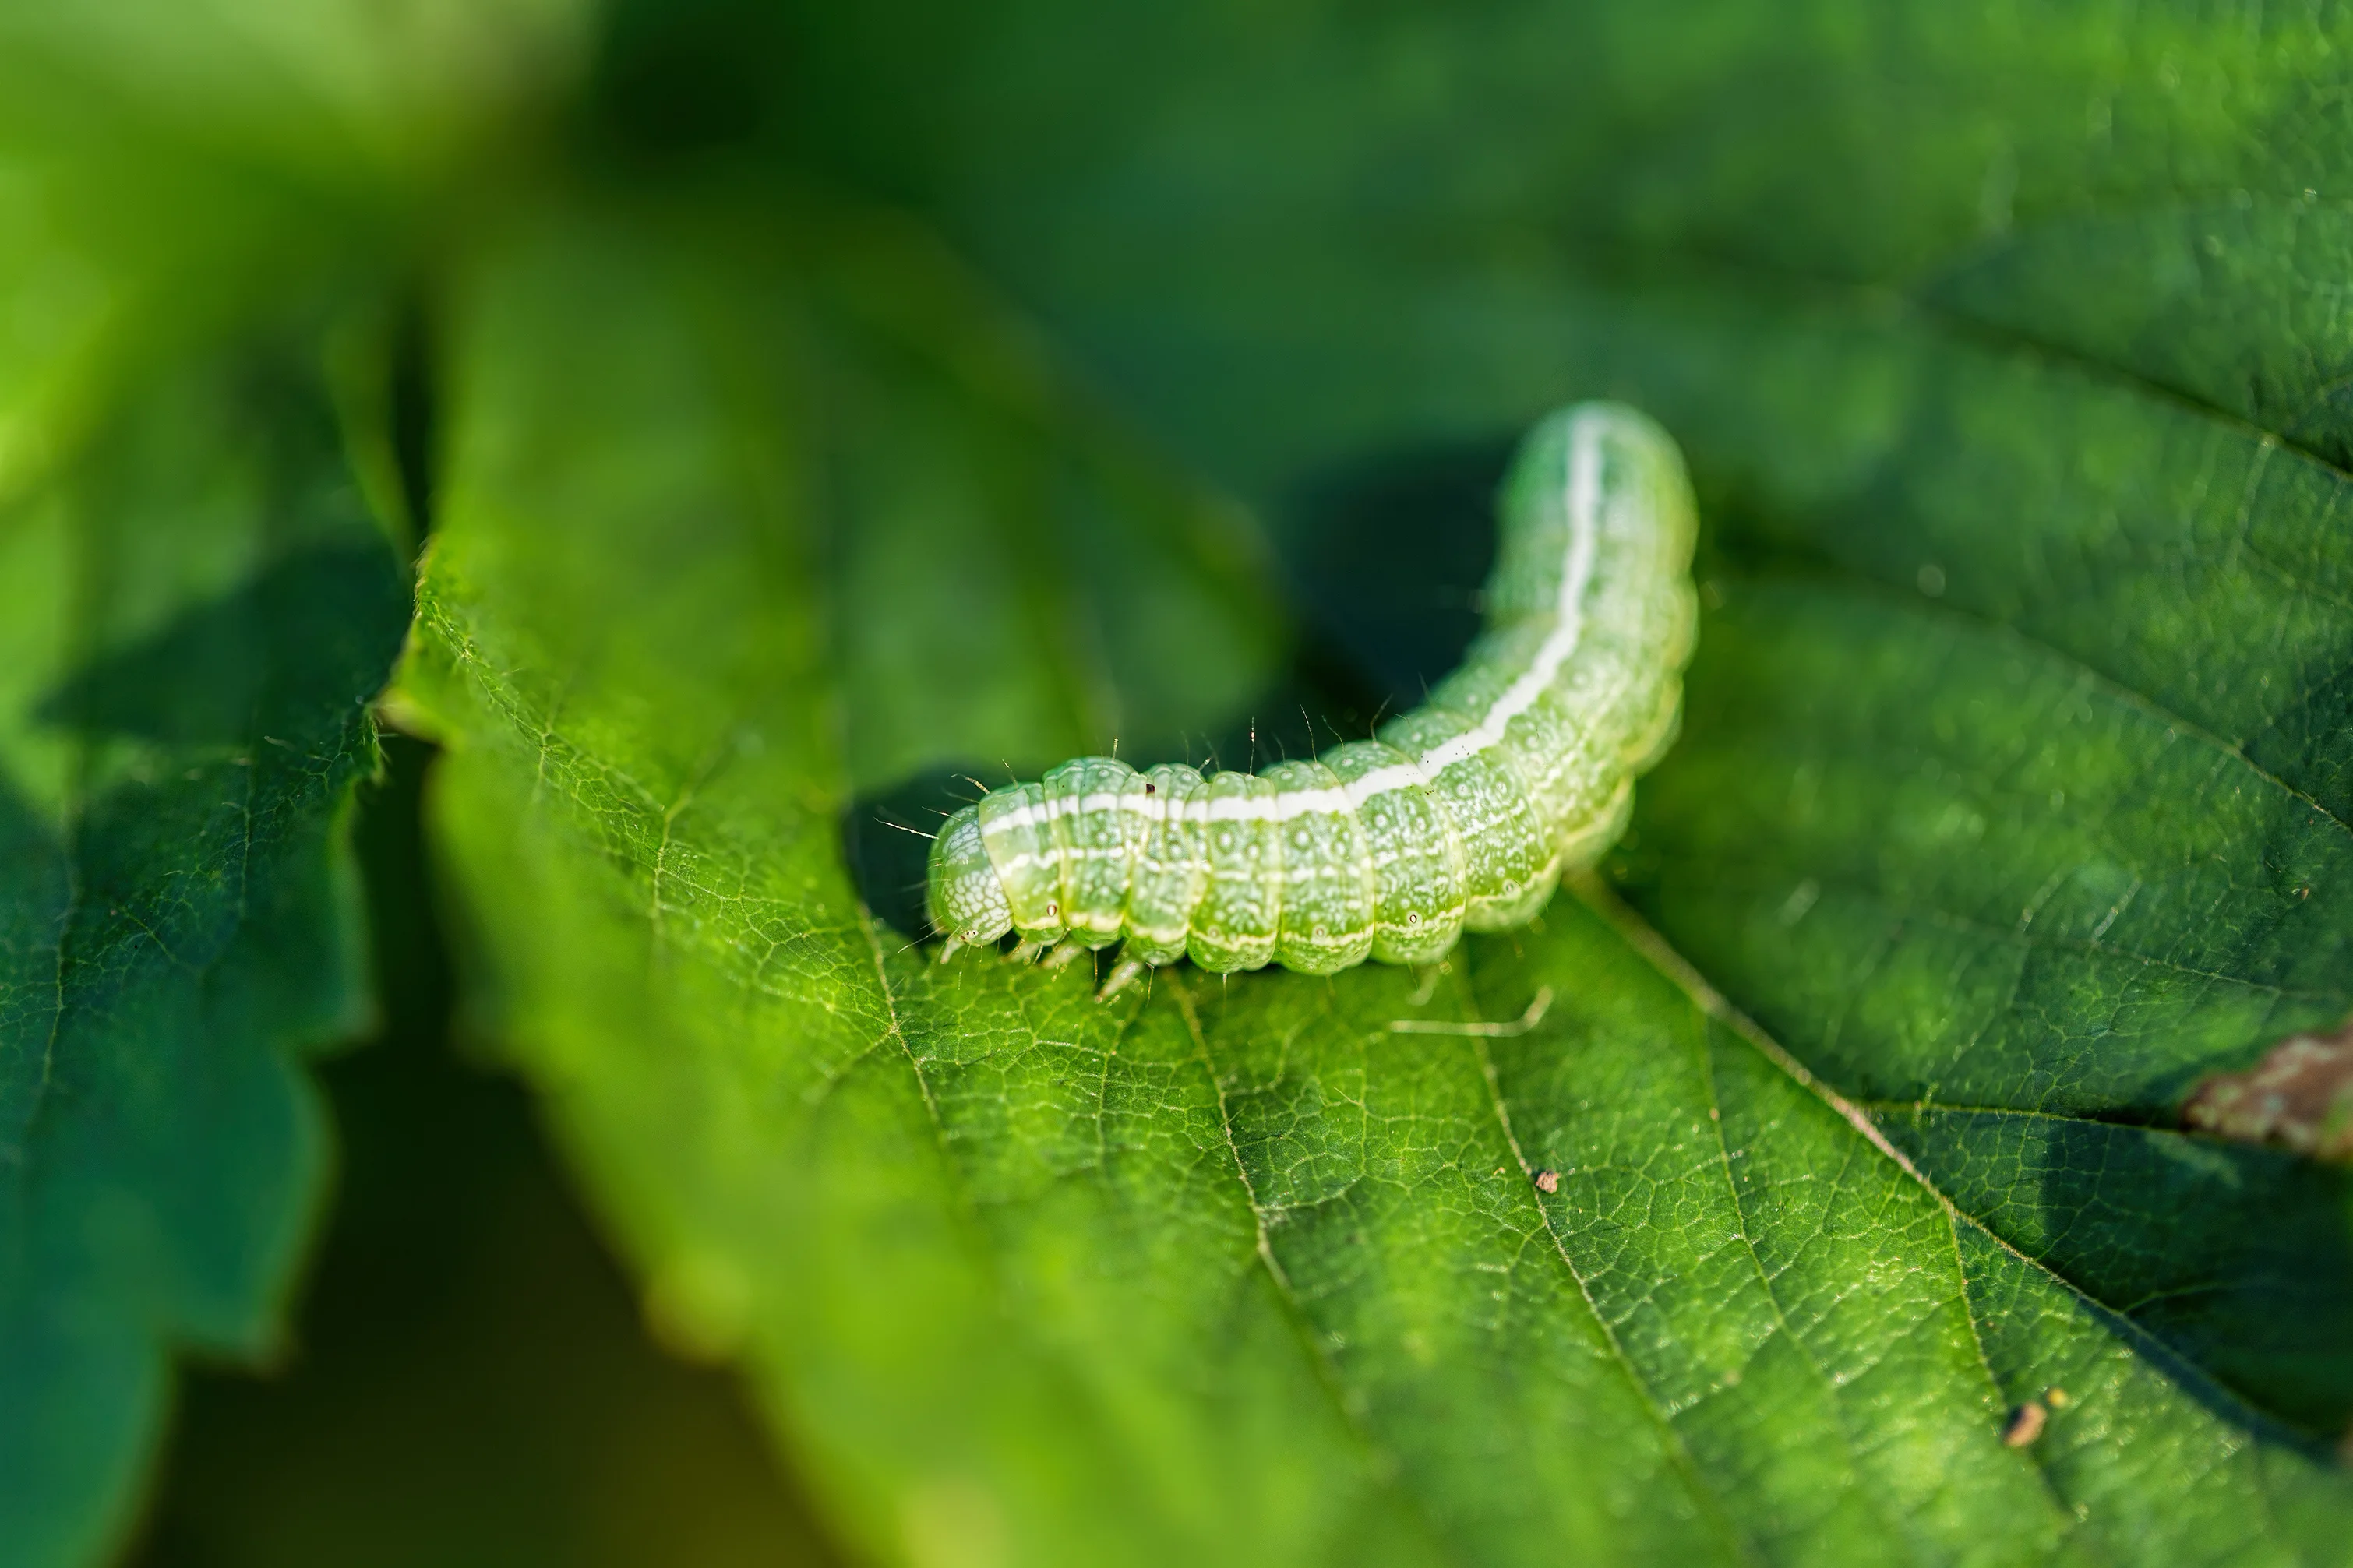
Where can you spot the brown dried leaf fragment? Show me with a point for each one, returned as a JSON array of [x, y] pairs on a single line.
[[1547, 1181], [2299, 1097]]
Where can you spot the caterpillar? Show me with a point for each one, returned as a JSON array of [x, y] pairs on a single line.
[[1461, 815]]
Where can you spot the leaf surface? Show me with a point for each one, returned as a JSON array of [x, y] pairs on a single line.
[[171, 171], [2012, 794], [2011, 803], [197, 613]]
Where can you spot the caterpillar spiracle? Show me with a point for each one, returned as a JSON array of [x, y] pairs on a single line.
[[1461, 815]]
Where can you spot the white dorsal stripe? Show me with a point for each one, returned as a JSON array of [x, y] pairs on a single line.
[[1279, 807], [1581, 485]]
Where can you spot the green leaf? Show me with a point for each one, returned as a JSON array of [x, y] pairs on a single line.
[[2014, 790], [1240, 1269], [645, 754], [471, 1384], [2011, 801], [2016, 782], [197, 613]]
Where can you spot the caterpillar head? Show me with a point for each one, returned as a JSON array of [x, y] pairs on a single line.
[[966, 900]]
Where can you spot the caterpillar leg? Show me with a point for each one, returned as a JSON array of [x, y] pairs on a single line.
[[1125, 975], [949, 948], [1063, 953], [1026, 950]]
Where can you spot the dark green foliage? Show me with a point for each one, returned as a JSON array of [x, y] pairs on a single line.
[[178, 909], [851, 409], [471, 1384]]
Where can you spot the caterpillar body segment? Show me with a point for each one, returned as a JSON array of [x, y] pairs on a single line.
[[1239, 841], [1087, 815], [1167, 873], [1461, 815], [1329, 890], [1410, 848]]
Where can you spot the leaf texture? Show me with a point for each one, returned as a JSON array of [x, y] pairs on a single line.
[[199, 611], [2010, 804]]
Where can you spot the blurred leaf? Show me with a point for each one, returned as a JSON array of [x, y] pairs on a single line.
[[178, 741], [167, 168], [1283, 228], [469, 1381]]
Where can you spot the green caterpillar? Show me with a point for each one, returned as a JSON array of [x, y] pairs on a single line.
[[1462, 813]]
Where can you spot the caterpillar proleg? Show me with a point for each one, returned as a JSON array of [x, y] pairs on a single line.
[[1460, 815]]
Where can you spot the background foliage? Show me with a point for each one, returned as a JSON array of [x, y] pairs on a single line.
[[788, 409]]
